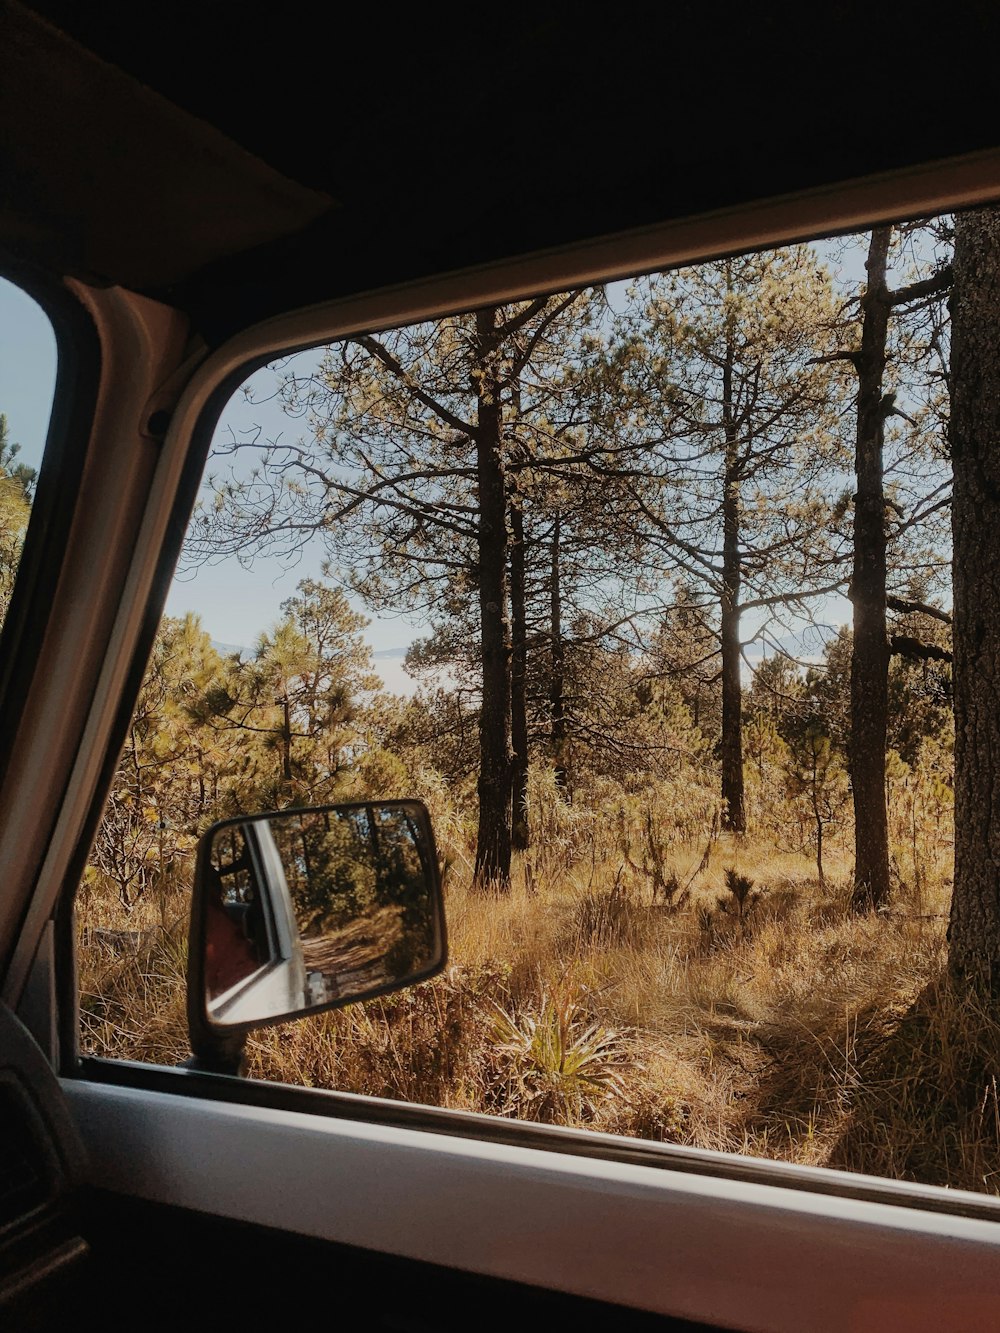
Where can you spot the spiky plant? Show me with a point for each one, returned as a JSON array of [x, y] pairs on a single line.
[[557, 1065]]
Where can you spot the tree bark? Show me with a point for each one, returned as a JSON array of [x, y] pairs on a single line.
[[493, 845], [518, 680], [818, 817], [819, 852], [974, 436], [731, 749], [286, 741], [733, 803], [870, 650], [557, 663]]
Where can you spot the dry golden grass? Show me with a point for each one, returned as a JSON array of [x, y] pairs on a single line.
[[132, 976], [782, 1027]]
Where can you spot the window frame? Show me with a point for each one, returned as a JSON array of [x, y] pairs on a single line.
[[79, 365], [926, 191]]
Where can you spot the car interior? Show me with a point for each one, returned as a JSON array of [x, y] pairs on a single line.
[[189, 191]]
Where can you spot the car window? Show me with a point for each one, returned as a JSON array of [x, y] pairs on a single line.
[[645, 589], [27, 385]]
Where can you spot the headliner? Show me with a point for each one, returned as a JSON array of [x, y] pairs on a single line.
[[238, 167]]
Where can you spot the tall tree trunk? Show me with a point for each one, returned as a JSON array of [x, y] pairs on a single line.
[[518, 680], [493, 846], [975, 450], [557, 662], [731, 750], [818, 817], [286, 741], [733, 803], [870, 651], [819, 852]]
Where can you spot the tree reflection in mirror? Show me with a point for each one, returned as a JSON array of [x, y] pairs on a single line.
[[307, 909]]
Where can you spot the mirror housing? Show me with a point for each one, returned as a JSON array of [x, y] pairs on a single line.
[[307, 909]]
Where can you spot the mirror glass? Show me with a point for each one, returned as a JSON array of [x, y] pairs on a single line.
[[307, 909]]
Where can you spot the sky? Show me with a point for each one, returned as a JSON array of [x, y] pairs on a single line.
[[235, 604], [27, 370]]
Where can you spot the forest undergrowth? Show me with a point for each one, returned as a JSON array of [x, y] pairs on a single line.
[[644, 977]]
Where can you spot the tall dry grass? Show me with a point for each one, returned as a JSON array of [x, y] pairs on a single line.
[[671, 985]]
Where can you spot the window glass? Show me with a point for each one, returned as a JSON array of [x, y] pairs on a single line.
[[646, 591], [27, 384]]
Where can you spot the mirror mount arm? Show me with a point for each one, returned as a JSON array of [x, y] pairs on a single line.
[[212, 1051], [220, 1057]]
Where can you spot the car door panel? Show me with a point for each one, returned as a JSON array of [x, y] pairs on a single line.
[[42, 1166], [238, 1275], [65, 735], [738, 1254]]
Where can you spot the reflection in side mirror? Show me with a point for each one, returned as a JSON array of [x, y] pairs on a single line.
[[306, 910]]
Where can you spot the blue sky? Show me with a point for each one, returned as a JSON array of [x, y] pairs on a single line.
[[27, 370]]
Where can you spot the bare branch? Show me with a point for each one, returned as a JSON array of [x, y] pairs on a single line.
[[382, 353], [936, 284], [902, 645], [906, 608]]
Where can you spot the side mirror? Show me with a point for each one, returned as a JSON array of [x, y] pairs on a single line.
[[306, 910]]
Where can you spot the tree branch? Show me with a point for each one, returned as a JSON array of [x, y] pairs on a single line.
[[525, 356], [518, 321], [830, 357], [789, 598], [907, 608], [901, 645], [936, 283], [382, 353]]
